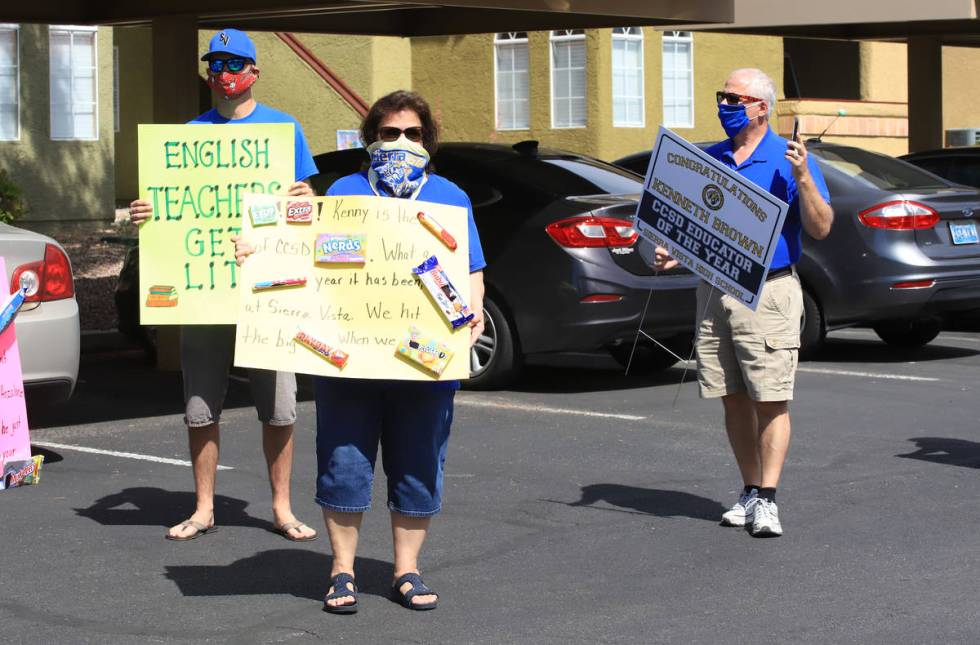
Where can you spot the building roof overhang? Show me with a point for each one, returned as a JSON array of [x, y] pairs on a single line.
[[377, 17]]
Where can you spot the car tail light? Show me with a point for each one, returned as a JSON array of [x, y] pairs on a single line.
[[589, 231], [914, 284], [899, 215], [49, 279], [602, 297]]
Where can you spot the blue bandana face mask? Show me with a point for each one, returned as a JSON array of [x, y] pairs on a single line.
[[397, 167], [733, 118]]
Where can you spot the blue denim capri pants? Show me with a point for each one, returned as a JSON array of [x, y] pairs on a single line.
[[410, 420]]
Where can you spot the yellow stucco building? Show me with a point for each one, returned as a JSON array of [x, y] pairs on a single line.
[[71, 145]]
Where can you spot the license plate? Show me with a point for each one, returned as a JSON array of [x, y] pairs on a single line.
[[963, 232]]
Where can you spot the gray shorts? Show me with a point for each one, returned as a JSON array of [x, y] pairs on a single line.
[[206, 354]]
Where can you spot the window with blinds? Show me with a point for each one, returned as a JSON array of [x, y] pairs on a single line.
[[74, 83], [678, 78], [9, 83], [511, 79], [568, 107], [627, 77]]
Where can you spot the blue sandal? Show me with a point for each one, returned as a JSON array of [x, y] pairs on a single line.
[[418, 589], [340, 590]]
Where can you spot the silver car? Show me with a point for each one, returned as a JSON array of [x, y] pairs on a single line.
[[47, 324]]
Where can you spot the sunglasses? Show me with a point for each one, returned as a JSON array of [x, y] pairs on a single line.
[[233, 65], [734, 99], [388, 133]]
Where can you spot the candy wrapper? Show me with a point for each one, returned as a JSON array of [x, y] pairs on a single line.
[[299, 212], [335, 357], [264, 213], [437, 283], [425, 350], [265, 285], [334, 248]]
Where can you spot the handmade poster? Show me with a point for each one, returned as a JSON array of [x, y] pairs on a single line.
[[195, 177], [16, 463], [355, 293], [715, 222]]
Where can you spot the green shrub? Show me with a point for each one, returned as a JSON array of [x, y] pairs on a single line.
[[11, 201]]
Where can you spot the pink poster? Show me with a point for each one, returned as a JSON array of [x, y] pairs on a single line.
[[15, 442]]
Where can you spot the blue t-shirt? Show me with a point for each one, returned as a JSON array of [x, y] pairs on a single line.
[[265, 114], [436, 189], [768, 168]]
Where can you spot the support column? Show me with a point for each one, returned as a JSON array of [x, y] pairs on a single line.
[[174, 67], [925, 64]]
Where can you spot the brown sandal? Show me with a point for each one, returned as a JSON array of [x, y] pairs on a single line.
[[284, 530], [199, 530]]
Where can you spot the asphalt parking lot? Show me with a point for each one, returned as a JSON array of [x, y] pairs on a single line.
[[581, 506]]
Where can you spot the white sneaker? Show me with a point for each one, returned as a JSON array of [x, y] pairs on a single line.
[[765, 520], [740, 513]]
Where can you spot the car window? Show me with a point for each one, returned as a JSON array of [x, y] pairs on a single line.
[[935, 165], [596, 177], [964, 170], [875, 170]]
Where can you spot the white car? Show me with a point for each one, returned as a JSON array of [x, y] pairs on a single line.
[[47, 323]]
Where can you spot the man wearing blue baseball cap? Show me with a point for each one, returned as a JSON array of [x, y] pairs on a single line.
[[206, 351]]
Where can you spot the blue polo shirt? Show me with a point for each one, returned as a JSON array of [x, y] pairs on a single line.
[[265, 114], [436, 189], [768, 168]]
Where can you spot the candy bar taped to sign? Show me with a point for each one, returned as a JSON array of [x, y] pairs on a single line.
[[360, 294], [718, 224]]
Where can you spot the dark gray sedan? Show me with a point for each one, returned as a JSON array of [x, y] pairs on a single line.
[[902, 254]]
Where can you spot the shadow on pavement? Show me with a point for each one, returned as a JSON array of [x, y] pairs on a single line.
[[855, 350], [298, 572], [571, 380], [945, 451], [651, 501], [123, 385], [148, 506]]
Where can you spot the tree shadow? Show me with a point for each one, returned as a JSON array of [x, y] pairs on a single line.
[[945, 451], [297, 572], [860, 350], [148, 506], [650, 501]]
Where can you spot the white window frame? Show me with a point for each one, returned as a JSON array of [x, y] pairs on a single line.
[[678, 37], [560, 36], [72, 30], [16, 31], [631, 34], [115, 88], [512, 39]]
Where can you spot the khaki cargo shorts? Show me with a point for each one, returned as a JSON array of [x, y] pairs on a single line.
[[206, 354], [744, 351]]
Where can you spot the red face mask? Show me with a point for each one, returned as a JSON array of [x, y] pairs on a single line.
[[230, 85]]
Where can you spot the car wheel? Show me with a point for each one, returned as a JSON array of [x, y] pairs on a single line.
[[908, 333], [814, 328], [494, 359], [649, 357]]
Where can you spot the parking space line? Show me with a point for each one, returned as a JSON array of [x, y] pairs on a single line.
[[892, 377], [114, 453], [825, 370], [537, 408]]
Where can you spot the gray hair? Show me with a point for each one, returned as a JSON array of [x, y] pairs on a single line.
[[759, 84]]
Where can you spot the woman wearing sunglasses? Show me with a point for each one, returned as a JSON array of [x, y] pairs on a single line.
[[409, 419]]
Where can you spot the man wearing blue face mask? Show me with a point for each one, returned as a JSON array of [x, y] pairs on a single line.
[[749, 358]]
